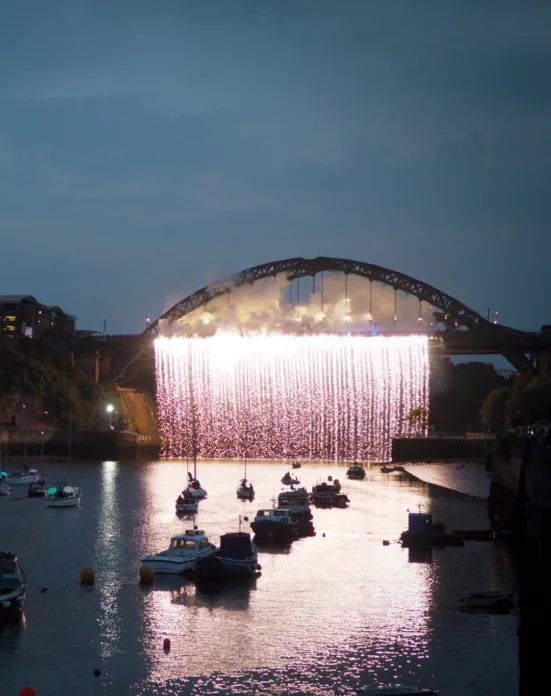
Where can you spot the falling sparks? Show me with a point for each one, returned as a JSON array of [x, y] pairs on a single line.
[[283, 397]]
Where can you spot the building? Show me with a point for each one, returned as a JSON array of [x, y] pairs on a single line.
[[24, 315]]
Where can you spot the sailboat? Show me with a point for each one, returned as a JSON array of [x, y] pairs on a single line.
[[245, 490]]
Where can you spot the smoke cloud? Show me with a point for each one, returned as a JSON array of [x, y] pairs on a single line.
[[329, 303]]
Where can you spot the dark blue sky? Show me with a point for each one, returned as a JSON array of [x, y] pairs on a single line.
[[147, 148]]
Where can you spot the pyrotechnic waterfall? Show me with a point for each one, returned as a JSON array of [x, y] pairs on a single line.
[[286, 397]]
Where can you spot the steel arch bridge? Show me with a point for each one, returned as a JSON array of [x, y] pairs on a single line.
[[452, 314]]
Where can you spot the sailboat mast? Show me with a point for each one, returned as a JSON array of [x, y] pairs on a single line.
[[192, 409]]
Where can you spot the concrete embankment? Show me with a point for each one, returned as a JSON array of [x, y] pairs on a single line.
[[437, 449]]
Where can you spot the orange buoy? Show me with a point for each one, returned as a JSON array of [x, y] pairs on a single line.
[[87, 576], [97, 672], [166, 643], [27, 691]]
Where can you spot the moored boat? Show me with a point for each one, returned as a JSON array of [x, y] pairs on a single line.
[[297, 502], [356, 471], [36, 490], [63, 496], [489, 600], [13, 585], [273, 525], [296, 465], [245, 490], [182, 555], [423, 531], [328, 495], [236, 557], [22, 475], [290, 480], [186, 503], [4, 488]]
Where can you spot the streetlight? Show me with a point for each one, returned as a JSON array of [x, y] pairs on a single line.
[[110, 409]]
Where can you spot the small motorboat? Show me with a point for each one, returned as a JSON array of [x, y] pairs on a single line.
[[296, 465], [237, 557], [273, 525], [387, 469], [328, 495], [356, 471], [186, 503], [63, 496], [22, 475], [423, 531], [13, 585], [245, 490], [182, 555], [490, 600], [290, 480], [37, 490], [397, 691]]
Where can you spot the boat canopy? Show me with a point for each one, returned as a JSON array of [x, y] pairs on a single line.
[[236, 544]]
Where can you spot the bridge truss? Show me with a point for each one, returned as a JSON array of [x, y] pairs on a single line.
[[452, 314]]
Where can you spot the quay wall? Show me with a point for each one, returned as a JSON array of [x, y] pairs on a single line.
[[426, 449]]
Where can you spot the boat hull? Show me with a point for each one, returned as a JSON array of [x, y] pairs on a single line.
[[337, 500], [410, 539], [197, 493], [187, 507], [62, 502], [38, 493], [245, 495], [276, 531], [214, 568], [22, 480], [172, 565], [12, 604], [4, 490]]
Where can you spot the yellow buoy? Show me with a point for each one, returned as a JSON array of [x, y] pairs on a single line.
[[87, 576], [147, 575]]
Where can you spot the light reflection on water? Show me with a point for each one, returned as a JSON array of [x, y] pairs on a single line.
[[327, 614]]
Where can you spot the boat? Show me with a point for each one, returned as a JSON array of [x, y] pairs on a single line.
[[397, 691], [36, 490], [273, 525], [22, 475], [297, 501], [63, 496], [356, 471], [423, 531], [296, 465], [4, 488], [328, 495], [183, 553], [290, 480], [236, 557], [491, 599], [194, 488], [186, 503], [245, 490], [13, 585], [387, 469]]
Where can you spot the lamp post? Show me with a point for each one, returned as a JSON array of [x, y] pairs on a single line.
[[110, 409]]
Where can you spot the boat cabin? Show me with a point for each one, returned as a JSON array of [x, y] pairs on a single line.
[[192, 540], [420, 522], [272, 515]]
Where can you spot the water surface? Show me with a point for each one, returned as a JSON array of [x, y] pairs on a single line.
[[328, 614]]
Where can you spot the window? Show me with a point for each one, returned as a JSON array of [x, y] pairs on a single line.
[[9, 327], [9, 317]]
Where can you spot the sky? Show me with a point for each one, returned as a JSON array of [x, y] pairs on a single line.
[[149, 148]]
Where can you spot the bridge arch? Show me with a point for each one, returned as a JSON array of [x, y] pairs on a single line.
[[453, 314]]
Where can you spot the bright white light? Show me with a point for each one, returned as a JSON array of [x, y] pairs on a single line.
[[110, 408]]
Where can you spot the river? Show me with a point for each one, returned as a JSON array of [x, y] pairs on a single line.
[[334, 612]]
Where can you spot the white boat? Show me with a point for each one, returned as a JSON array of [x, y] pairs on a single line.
[[182, 554], [22, 475], [245, 490], [397, 691], [491, 599], [13, 585], [4, 488], [186, 503], [63, 496]]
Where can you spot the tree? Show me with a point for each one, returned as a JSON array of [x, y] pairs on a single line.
[[492, 411], [418, 420]]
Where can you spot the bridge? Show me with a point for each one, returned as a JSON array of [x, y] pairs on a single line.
[[456, 329]]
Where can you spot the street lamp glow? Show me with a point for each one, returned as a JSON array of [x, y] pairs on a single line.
[[110, 409]]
